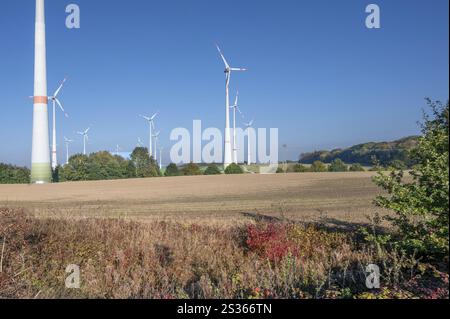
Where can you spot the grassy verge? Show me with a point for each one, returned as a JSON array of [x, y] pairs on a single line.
[[123, 259]]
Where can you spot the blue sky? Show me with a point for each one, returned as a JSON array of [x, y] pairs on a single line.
[[315, 71]]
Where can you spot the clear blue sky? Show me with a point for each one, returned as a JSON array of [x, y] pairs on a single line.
[[315, 71]]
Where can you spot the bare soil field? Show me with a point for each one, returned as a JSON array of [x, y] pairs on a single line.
[[334, 198]]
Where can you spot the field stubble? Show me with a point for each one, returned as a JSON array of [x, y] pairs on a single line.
[[310, 197]]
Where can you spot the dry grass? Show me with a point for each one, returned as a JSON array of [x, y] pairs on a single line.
[[128, 259], [339, 197]]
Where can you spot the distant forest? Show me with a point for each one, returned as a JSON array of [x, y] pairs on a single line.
[[384, 153]]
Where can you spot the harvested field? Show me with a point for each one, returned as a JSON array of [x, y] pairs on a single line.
[[337, 198]]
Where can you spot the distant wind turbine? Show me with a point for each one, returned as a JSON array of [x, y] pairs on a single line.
[[249, 151], [85, 139], [55, 101], [68, 142], [235, 107], [160, 157], [156, 137], [151, 123], [228, 71]]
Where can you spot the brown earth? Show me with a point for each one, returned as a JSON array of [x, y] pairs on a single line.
[[335, 198]]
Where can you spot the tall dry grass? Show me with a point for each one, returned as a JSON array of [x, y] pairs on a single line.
[[126, 259]]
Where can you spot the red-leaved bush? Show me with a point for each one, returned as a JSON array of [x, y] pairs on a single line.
[[271, 241]]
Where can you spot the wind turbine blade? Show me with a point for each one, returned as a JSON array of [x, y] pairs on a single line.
[[238, 69], [60, 106], [59, 88], [154, 116], [237, 99], [223, 58]]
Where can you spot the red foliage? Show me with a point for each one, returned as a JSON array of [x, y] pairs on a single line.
[[270, 241]]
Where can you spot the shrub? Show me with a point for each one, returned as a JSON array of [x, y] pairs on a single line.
[[270, 241], [172, 170], [191, 169], [280, 170], [299, 168], [338, 166], [10, 174], [233, 169], [106, 166], [318, 166], [212, 170], [356, 168], [422, 206]]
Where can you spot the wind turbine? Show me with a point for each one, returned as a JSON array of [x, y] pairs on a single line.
[[67, 141], [150, 120], [139, 143], [160, 157], [235, 107], [228, 71], [40, 156], [156, 136], [55, 101], [85, 139], [118, 149], [249, 154]]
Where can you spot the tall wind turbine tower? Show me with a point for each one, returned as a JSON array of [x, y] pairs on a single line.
[[40, 163], [228, 70]]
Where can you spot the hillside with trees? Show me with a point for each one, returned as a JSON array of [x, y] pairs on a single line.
[[385, 153]]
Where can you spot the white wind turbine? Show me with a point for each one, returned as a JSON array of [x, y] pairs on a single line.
[[139, 142], [228, 71], [68, 142], [235, 107], [160, 157], [156, 137], [118, 149], [85, 139], [55, 101], [249, 151], [150, 120]]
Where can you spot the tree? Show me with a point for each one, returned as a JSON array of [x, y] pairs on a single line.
[[338, 166], [421, 207], [192, 169], [212, 170], [356, 168], [172, 170], [10, 174], [233, 169], [318, 166], [299, 168], [76, 170], [145, 166]]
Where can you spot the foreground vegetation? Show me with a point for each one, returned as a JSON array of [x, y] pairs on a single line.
[[123, 259]]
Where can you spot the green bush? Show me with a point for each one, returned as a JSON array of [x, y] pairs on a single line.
[[233, 169], [192, 169], [172, 170], [422, 206], [105, 166], [299, 168], [280, 170], [356, 168], [212, 170], [10, 174], [338, 166], [319, 167]]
